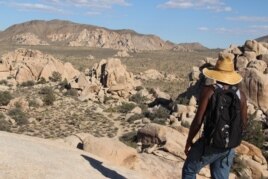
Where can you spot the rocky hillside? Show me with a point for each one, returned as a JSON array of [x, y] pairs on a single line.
[[193, 46], [263, 39], [65, 33]]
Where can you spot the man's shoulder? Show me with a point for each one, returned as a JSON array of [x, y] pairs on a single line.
[[208, 90]]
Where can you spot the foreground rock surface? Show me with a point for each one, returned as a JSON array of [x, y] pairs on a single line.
[[29, 158]]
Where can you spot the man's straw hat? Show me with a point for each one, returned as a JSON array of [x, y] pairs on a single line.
[[224, 70]]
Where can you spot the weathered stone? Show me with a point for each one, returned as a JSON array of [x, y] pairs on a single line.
[[258, 65], [241, 62], [250, 55], [195, 73], [168, 138], [117, 153], [255, 86]]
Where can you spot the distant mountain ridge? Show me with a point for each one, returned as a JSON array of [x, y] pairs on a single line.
[[67, 33], [263, 39]]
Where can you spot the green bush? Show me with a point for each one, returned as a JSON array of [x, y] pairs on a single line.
[[138, 88], [4, 125], [33, 103], [254, 133], [126, 107], [107, 98], [5, 97], [46, 90], [65, 85], [71, 92], [135, 117], [49, 98], [129, 139], [42, 80], [160, 113], [3, 82], [27, 83], [138, 98], [56, 77], [18, 115]]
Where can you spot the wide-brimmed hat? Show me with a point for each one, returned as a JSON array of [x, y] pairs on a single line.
[[224, 70]]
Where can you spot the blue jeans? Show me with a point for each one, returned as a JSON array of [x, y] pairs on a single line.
[[200, 155]]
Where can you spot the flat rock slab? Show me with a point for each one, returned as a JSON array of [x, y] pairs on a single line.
[[27, 157]]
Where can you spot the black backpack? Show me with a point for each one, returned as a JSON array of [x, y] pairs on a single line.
[[223, 122]]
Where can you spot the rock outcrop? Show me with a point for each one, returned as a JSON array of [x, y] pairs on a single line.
[[28, 39], [31, 65], [107, 76]]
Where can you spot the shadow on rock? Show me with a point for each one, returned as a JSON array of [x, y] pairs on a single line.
[[102, 169]]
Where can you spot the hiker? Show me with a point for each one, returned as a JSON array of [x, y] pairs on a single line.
[[223, 123]]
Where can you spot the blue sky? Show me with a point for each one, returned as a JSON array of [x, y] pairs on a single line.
[[213, 23]]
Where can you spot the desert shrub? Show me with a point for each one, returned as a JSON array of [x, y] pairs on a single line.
[[160, 113], [27, 83], [49, 98], [5, 97], [18, 115], [138, 88], [33, 103], [135, 117], [17, 105], [3, 82], [71, 92], [138, 98], [4, 125], [64, 84], [129, 139], [55, 77], [161, 121], [126, 107], [110, 110], [107, 98], [42, 80], [254, 133], [46, 90]]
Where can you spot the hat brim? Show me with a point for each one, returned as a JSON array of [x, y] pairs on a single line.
[[231, 78]]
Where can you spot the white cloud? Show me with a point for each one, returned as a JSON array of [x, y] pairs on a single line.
[[255, 30], [225, 30], [92, 13], [36, 6], [213, 5], [203, 28], [100, 4], [248, 19], [88, 7]]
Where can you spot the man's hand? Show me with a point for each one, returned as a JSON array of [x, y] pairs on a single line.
[[187, 147]]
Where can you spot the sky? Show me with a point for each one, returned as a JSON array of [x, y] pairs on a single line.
[[213, 23]]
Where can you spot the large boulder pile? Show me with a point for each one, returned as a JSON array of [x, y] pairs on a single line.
[[106, 77], [253, 162], [32, 65]]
